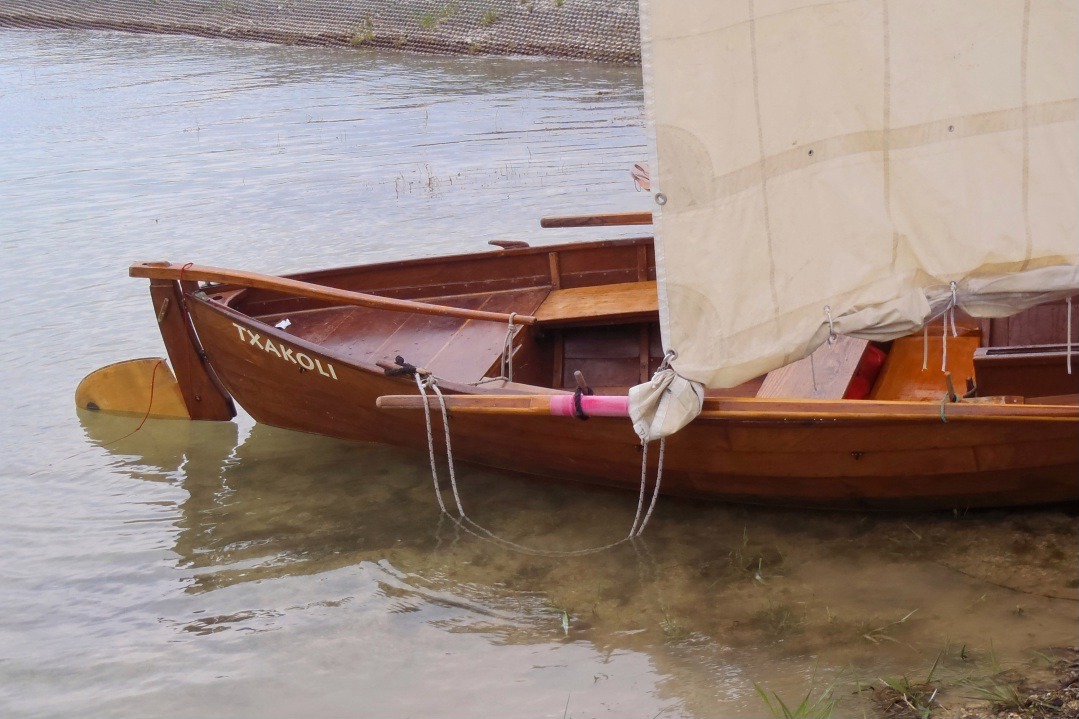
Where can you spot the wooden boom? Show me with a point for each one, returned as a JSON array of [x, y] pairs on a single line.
[[254, 280]]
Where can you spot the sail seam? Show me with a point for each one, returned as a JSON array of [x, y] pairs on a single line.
[[1024, 54], [763, 164], [886, 136]]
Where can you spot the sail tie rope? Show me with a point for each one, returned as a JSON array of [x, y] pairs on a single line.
[[465, 522], [949, 315], [925, 347], [832, 336]]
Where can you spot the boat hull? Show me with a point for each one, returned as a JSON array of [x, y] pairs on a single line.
[[849, 462]]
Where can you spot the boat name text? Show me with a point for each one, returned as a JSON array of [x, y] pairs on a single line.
[[283, 351]]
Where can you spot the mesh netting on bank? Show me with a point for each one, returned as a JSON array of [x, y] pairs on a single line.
[[600, 30]]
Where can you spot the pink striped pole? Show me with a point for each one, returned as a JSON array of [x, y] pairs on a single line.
[[562, 405]]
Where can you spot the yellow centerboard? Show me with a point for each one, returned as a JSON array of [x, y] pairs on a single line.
[[141, 386]]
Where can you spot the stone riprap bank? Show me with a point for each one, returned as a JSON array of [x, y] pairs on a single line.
[[599, 30]]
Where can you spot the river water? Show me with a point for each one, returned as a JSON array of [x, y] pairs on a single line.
[[234, 569]]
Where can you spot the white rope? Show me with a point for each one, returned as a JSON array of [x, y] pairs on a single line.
[[925, 347], [832, 336], [506, 367], [949, 313], [655, 490], [430, 441], [466, 523]]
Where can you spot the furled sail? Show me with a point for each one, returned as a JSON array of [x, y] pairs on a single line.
[[855, 168]]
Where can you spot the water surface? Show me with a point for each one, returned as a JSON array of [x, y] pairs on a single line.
[[194, 569]]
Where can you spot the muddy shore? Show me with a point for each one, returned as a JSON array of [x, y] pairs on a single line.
[[597, 30]]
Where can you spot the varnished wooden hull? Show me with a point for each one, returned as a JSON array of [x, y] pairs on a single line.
[[876, 463]]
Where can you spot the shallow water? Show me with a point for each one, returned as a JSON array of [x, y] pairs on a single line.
[[195, 569]]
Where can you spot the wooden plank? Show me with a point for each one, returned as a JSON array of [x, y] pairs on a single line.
[[556, 272], [623, 302], [825, 374]]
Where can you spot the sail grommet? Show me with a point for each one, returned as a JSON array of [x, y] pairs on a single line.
[[661, 199]]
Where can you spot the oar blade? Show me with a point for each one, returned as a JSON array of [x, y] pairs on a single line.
[[145, 387]]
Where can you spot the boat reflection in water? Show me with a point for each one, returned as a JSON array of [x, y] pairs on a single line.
[[714, 597]]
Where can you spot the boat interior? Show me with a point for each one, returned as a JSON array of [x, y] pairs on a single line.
[[596, 317]]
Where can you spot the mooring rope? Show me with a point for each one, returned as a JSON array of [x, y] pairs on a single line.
[[466, 523]]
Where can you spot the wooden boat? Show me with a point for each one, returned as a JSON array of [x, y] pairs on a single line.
[[826, 176], [595, 311]]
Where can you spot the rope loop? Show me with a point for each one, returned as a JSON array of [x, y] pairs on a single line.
[[506, 365], [578, 410], [832, 336]]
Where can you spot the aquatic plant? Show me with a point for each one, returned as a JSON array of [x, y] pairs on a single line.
[[1001, 696], [673, 630], [900, 693], [430, 20], [820, 707], [363, 33], [880, 634], [778, 621]]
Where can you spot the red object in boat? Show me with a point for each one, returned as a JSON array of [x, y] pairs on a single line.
[[866, 373]]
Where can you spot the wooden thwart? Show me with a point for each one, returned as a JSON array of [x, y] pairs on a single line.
[[624, 302], [825, 374], [254, 280]]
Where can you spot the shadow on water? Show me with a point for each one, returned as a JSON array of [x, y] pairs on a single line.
[[716, 596]]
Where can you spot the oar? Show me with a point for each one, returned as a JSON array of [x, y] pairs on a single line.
[[733, 408], [610, 219], [254, 280]]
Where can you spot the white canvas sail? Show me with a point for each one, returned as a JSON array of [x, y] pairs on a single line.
[[855, 168]]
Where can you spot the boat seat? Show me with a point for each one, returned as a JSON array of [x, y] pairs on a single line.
[[600, 304], [827, 375]]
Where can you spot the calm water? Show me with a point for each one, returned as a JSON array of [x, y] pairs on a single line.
[[230, 569]]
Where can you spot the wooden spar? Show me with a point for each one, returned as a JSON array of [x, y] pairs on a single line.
[[202, 273], [610, 219], [748, 408]]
